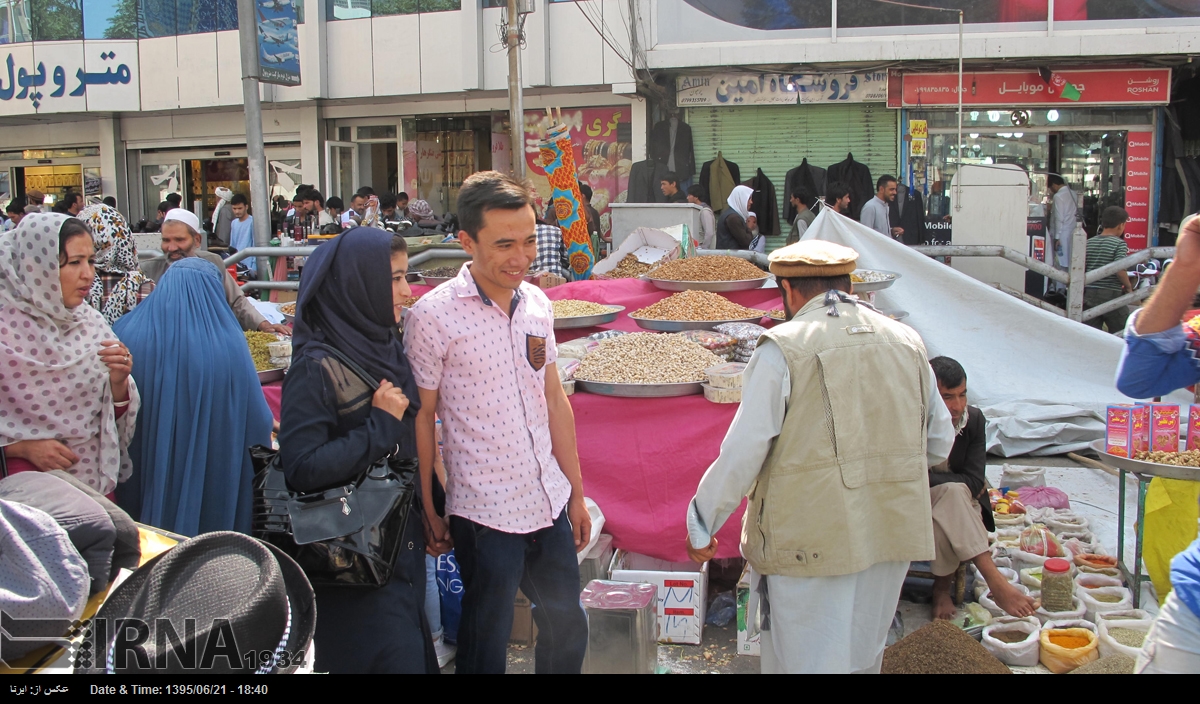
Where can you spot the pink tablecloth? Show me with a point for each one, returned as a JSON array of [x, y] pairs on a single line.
[[641, 458]]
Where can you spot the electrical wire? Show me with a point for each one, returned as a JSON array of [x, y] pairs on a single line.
[[604, 37]]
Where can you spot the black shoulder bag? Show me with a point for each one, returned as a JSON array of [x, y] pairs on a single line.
[[345, 536]]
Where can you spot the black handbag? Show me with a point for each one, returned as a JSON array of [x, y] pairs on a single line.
[[347, 536]]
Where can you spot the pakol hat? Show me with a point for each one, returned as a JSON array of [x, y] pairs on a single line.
[[224, 593], [812, 258]]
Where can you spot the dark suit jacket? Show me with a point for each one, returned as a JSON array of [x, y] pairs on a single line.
[[644, 179], [705, 172], [659, 148], [858, 178], [912, 218], [812, 178], [763, 204], [968, 461]]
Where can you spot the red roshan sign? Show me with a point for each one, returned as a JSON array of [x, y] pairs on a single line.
[[1133, 86]]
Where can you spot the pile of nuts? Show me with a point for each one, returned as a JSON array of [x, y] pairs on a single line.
[[288, 308], [442, 272], [718, 267], [578, 309], [866, 276], [697, 306], [647, 358], [1191, 458], [629, 268]]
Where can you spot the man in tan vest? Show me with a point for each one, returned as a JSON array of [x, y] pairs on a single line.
[[839, 423]]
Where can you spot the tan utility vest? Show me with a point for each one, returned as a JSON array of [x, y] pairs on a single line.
[[845, 485]]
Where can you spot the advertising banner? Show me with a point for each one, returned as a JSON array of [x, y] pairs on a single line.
[[1133, 86], [1138, 158], [278, 42], [780, 88]]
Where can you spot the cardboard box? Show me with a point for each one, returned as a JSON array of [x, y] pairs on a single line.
[[1139, 428], [1193, 433], [682, 593], [524, 630], [650, 244], [748, 637], [1164, 427], [1118, 434], [629, 217]]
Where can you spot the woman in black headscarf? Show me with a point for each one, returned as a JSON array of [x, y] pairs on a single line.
[[333, 427]]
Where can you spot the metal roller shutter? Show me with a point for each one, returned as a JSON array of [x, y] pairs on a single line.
[[775, 138]]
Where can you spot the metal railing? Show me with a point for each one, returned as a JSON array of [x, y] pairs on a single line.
[[1076, 278], [414, 260]]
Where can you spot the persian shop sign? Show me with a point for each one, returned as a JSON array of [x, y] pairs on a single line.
[[43, 78], [728, 89]]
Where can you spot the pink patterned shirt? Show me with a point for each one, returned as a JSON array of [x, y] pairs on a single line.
[[490, 375]]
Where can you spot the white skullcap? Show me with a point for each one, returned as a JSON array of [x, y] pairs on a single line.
[[186, 217]]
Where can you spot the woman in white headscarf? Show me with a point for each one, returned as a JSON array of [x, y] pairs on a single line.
[[737, 226], [67, 400], [120, 284]]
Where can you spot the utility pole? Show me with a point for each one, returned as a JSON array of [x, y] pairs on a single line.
[[516, 112], [255, 149]]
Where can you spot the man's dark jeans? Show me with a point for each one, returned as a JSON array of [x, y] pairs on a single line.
[[544, 566]]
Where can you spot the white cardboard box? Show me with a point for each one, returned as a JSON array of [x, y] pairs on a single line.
[[748, 637], [650, 244], [682, 593], [628, 217]]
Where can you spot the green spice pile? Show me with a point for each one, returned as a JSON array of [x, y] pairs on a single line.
[[940, 648]]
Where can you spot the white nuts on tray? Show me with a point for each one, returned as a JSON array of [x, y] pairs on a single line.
[[646, 358], [578, 309]]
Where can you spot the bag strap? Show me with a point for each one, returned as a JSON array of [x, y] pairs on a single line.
[[3, 464], [350, 364]]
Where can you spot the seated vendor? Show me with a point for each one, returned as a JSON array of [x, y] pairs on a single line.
[[962, 511]]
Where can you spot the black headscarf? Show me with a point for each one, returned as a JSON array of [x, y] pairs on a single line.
[[345, 302]]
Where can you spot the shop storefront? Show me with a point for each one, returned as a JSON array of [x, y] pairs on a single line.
[[774, 122], [52, 171], [1103, 143]]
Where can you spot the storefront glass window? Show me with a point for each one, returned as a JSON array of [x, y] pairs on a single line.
[[382, 8], [987, 119], [55, 20], [110, 19], [157, 20], [869, 13], [198, 16], [157, 182], [347, 9], [1135, 9], [440, 5], [14, 22], [377, 132]]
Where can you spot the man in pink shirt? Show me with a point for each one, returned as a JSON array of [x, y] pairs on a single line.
[[482, 349]]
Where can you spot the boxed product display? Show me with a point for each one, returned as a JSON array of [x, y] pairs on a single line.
[[524, 628], [647, 245], [1193, 432], [1139, 426], [1164, 427], [682, 593], [1118, 431], [748, 638], [621, 627]]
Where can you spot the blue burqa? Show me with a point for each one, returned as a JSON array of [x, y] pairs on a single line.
[[202, 406]]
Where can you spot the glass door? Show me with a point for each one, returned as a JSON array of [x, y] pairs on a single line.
[[341, 170]]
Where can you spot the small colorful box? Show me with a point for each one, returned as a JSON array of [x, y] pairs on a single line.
[[1118, 433], [1193, 433], [1139, 428], [1164, 427]]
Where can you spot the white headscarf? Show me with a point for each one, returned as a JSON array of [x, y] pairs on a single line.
[[224, 195], [739, 200], [52, 382]]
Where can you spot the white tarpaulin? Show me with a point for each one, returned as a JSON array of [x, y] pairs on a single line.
[[1043, 381]]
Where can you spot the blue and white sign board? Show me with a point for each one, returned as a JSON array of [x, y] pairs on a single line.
[[278, 42], [52, 77]]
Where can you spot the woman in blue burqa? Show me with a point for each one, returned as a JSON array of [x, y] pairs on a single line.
[[202, 406]]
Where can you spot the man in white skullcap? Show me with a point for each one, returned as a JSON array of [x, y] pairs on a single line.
[[180, 239], [839, 422]]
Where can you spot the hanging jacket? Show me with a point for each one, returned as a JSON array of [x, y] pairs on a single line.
[[658, 147], [857, 178], [807, 176], [718, 177], [644, 179], [763, 205], [908, 212]]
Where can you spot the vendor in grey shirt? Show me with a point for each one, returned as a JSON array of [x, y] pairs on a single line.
[[875, 214], [180, 239]]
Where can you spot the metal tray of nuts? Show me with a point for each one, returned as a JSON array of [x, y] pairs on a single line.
[[270, 375], [1150, 469], [640, 390], [588, 321], [874, 285], [681, 325], [714, 286]]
